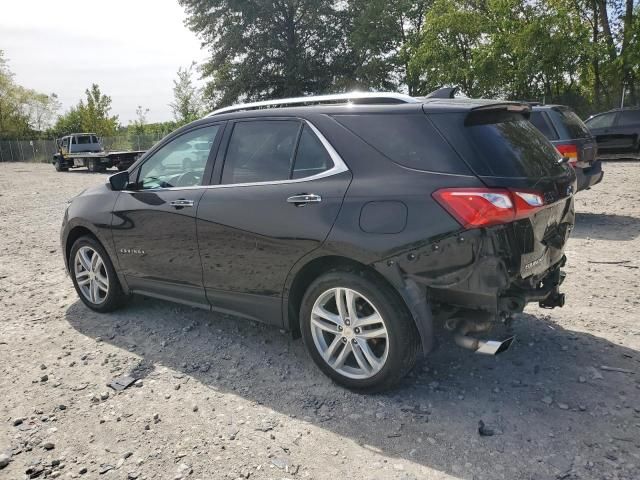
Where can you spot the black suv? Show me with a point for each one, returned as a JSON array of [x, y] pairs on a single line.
[[572, 139], [617, 131], [354, 222]]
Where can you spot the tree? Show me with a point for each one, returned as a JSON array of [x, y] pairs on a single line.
[[90, 115], [379, 34], [187, 102], [139, 124], [24, 113], [264, 49], [95, 113]]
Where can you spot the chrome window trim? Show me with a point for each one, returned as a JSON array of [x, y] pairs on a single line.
[[338, 167]]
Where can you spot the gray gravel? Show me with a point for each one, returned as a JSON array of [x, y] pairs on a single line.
[[222, 398]]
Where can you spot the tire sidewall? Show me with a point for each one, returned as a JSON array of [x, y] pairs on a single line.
[[115, 295], [394, 312]]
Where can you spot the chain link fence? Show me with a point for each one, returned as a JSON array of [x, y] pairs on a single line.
[[43, 150]]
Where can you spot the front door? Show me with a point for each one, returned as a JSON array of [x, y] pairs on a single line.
[[154, 227], [280, 192], [602, 127]]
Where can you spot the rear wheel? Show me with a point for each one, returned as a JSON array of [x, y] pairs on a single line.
[[93, 276], [358, 330], [94, 165]]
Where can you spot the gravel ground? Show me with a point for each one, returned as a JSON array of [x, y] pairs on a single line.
[[219, 397]]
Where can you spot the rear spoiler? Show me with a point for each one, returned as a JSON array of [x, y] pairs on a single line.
[[496, 113]]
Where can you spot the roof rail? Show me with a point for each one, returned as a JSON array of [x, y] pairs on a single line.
[[352, 97]]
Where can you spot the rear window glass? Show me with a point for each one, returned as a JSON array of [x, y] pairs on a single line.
[[542, 124], [500, 144], [407, 139], [85, 139], [575, 128]]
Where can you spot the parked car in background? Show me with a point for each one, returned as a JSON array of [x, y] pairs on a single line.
[[354, 225], [573, 140], [617, 131]]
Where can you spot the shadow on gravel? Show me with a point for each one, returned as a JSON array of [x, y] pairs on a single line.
[[602, 226], [554, 411]]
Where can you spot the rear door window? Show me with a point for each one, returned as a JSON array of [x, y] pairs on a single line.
[[629, 117], [541, 122], [260, 151], [500, 143], [273, 150], [407, 139]]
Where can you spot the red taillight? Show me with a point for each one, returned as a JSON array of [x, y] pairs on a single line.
[[570, 151], [483, 207]]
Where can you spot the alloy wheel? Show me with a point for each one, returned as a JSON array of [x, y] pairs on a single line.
[[349, 333], [91, 275]]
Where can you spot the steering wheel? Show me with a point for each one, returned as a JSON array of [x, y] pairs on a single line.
[[187, 179]]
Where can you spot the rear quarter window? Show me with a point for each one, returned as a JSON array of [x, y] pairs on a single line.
[[407, 139]]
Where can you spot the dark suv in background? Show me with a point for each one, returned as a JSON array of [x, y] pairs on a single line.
[[354, 220], [617, 131], [573, 140]]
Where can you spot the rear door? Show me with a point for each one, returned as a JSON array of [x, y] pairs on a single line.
[[154, 222], [627, 130], [280, 188], [507, 151]]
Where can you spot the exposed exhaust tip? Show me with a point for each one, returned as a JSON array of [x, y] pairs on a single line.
[[494, 347]]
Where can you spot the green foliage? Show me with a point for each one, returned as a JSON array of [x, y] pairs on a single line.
[[24, 113], [553, 50], [187, 104], [265, 49], [90, 115]]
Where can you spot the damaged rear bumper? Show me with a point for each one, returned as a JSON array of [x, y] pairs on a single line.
[[485, 269]]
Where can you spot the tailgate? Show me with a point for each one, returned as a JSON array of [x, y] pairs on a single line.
[[538, 241], [506, 151]]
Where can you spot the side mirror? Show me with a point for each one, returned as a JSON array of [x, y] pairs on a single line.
[[119, 181]]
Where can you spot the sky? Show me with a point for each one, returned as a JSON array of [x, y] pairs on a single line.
[[132, 49]]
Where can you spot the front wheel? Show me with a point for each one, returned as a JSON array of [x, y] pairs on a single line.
[[358, 330], [93, 275], [59, 166]]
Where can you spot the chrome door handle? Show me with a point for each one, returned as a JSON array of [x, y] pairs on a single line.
[[181, 203], [304, 198]]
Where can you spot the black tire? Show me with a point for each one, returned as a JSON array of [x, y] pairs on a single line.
[[94, 166], [115, 297], [122, 168], [403, 338], [58, 166]]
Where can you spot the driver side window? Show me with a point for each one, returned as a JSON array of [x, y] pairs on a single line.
[[181, 162]]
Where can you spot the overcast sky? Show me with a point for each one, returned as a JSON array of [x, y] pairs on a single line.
[[131, 48]]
